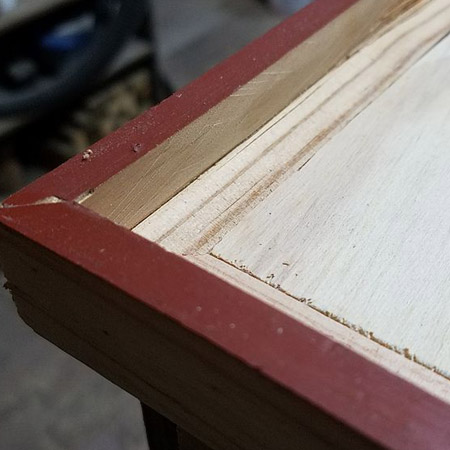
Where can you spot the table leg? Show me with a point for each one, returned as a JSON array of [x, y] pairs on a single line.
[[161, 432]]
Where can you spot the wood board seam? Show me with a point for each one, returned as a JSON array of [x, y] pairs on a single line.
[[44, 201]]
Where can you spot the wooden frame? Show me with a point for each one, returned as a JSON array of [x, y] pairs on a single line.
[[176, 335]]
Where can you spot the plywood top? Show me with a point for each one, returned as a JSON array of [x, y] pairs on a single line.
[[341, 201], [363, 230]]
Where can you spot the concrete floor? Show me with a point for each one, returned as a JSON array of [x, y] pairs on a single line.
[[48, 400]]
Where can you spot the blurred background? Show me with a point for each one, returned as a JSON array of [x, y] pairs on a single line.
[[71, 72]]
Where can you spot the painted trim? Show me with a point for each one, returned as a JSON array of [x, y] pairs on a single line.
[[367, 398], [352, 389]]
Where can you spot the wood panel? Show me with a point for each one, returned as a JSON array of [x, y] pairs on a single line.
[[198, 217], [363, 230]]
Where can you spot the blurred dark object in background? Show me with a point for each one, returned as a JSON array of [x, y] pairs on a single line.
[[54, 53], [11, 173], [52, 60]]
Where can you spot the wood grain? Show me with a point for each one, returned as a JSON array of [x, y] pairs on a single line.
[[363, 229], [200, 215], [199, 218], [135, 192]]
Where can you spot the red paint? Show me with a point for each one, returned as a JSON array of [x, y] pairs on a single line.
[[115, 152], [356, 391]]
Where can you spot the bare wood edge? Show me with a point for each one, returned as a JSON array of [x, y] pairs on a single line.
[[396, 363], [135, 192], [153, 358]]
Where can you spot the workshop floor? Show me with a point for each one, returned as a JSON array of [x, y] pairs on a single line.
[[48, 400]]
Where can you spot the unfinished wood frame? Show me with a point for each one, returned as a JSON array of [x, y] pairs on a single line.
[[193, 337]]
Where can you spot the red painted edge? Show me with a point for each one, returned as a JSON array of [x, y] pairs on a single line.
[[115, 152], [357, 392]]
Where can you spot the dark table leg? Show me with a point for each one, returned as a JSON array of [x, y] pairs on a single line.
[[161, 432]]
